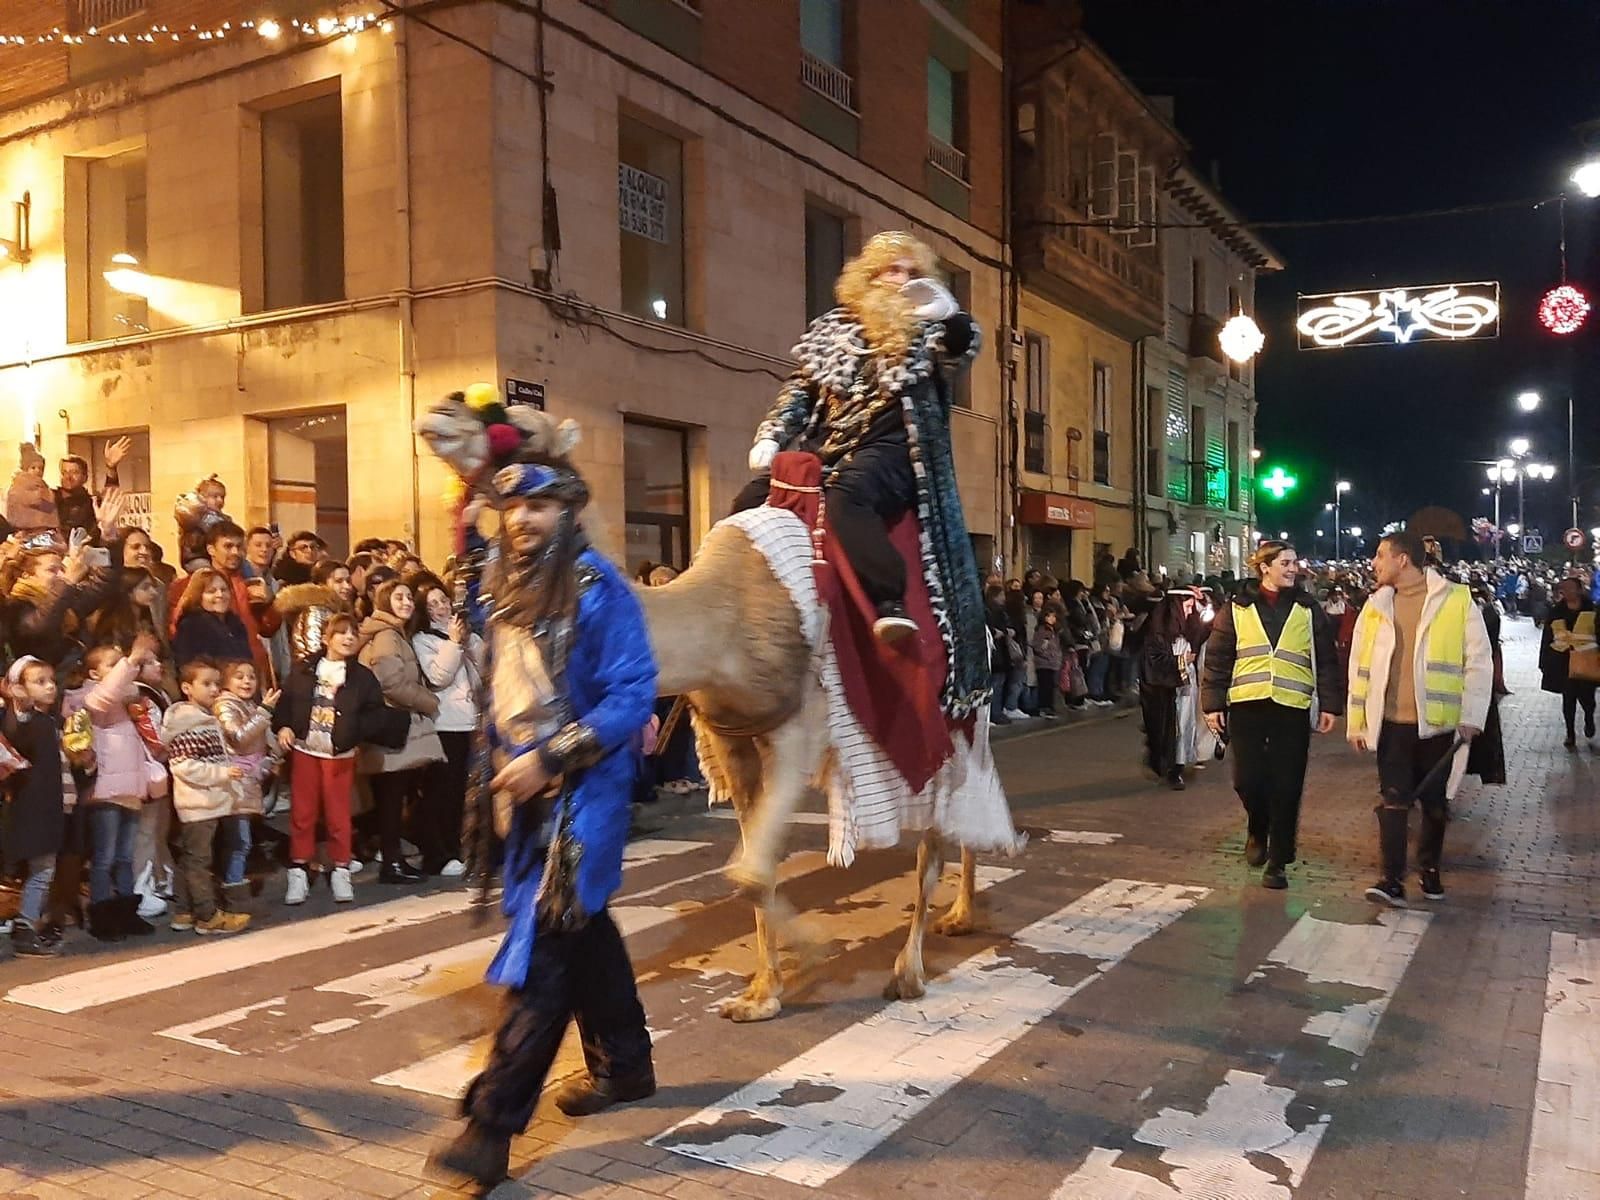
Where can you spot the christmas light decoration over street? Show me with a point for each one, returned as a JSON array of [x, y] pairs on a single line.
[[1401, 313]]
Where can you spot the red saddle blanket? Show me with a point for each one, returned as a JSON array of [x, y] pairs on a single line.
[[893, 689]]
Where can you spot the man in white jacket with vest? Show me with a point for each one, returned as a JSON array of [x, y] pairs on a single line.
[[1421, 677]]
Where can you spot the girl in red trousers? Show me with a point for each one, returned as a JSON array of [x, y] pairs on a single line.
[[331, 705]]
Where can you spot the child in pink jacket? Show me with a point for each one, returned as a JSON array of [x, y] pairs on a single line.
[[123, 783]]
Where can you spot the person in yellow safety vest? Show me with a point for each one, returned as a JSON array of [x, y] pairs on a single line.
[[1271, 674], [1570, 627], [1421, 677]]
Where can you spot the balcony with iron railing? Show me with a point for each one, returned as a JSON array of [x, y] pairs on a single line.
[[828, 81], [948, 159]]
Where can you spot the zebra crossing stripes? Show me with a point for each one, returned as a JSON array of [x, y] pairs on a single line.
[[1242, 1142], [208, 958], [876, 911], [1564, 1146], [813, 1118]]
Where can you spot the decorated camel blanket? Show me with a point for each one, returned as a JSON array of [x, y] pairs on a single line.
[[871, 802]]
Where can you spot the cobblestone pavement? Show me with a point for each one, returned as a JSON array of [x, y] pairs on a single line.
[[1136, 1018]]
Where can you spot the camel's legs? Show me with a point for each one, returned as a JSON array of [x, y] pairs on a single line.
[[958, 920], [908, 980], [761, 1001], [791, 756]]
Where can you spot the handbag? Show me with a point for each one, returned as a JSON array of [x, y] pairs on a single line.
[[1114, 638], [1014, 650], [1584, 665]]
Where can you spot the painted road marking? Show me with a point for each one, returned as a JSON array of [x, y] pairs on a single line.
[[208, 957], [1564, 1149], [1081, 837], [871, 913], [812, 1118], [1244, 1122]]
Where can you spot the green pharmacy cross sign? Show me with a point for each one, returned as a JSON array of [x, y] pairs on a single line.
[[1279, 483]]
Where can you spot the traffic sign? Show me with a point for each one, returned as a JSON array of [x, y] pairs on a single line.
[[1573, 539], [1533, 543]]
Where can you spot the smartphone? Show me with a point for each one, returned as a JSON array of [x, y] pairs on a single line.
[[97, 556]]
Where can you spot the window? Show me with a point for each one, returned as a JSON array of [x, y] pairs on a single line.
[[947, 135], [1197, 286], [1156, 446], [825, 252], [650, 215], [1102, 423], [1197, 454], [655, 468], [114, 245], [824, 57], [822, 31], [1232, 466], [1036, 419], [302, 203], [133, 473], [960, 283], [83, 15]]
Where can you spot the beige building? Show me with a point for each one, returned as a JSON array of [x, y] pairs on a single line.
[[263, 256], [1092, 154], [1199, 408]]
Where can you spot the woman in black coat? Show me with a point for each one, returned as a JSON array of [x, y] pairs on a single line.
[[207, 625], [1567, 624]]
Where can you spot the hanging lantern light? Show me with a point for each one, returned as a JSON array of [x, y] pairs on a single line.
[[1563, 309], [1241, 338]]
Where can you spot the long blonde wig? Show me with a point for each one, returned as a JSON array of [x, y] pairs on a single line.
[[886, 316]]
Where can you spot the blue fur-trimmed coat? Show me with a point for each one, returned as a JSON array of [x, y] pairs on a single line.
[[611, 680], [826, 400]]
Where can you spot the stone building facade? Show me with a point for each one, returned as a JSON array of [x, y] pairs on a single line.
[[623, 209]]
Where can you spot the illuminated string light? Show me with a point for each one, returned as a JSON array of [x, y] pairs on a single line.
[[271, 29], [1443, 311], [1563, 309]]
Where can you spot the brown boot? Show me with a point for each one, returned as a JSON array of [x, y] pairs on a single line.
[[587, 1096]]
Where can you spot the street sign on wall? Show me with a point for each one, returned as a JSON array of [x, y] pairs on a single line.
[[1533, 543], [1573, 539], [520, 391], [1435, 312]]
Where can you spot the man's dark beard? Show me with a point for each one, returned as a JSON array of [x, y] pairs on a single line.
[[534, 588]]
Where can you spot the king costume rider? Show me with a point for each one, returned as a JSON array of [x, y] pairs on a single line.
[[571, 685], [871, 397]]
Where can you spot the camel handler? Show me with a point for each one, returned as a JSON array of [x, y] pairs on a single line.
[[571, 684], [871, 397], [1270, 655], [1421, 677]]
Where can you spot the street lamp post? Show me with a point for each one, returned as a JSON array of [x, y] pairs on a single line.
[[1339, 489], [1529, 402]]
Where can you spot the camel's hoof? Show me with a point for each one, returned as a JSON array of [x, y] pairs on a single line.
[[904, 987], [749, 1008], [750, 883], [954, 924]]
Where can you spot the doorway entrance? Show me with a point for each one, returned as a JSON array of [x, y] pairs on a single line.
[[309, 485]]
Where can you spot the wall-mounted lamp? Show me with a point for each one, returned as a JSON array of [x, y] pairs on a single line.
[[18, 248]]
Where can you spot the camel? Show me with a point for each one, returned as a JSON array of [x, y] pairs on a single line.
[[727, 635]]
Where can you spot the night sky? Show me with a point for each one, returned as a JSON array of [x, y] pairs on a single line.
[[1318, 109]]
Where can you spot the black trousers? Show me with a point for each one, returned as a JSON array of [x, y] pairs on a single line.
[[441, 799], [1270, 743], [583, 976], [389, 792], [1577, 694], [874, 486], [1403, 760]]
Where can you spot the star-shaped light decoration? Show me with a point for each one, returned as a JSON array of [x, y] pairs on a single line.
[[1401, 312]]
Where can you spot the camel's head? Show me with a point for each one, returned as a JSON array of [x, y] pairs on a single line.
[[473, 430]]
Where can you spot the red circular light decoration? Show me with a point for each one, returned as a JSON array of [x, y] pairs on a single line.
[[1563, 309]]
